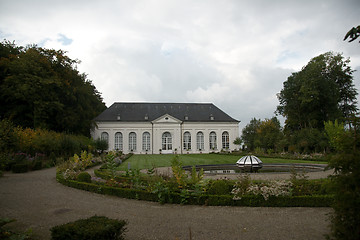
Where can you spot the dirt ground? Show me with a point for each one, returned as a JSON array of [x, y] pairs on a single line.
[[38, 202]]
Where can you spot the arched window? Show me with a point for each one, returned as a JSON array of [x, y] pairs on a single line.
[[105, 137], [166, 141], [119, 141], [132, 141], [225, 140], [146, 141], [187, 141], [212, 141], [200, 141]]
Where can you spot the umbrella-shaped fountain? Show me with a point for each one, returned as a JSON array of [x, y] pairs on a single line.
[[249, 163]]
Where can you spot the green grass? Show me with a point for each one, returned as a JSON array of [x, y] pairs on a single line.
[[148, 161]]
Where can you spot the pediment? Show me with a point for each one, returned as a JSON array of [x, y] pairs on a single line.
[[166, 119]]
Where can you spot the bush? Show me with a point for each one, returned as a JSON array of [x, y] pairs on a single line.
[[204, 199], [101, 145], [20, 168], [220, 187], [84, 177], [96, 227]]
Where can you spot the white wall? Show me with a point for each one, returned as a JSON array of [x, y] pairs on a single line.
[[175, 128]]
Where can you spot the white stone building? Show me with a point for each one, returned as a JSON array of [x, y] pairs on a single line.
[[153, 128]]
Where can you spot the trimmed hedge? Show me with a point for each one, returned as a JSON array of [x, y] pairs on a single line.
[[210, 200], [93, 228], [20, 168], [84, 177]]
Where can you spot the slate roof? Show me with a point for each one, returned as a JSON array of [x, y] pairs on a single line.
[[143, 112]]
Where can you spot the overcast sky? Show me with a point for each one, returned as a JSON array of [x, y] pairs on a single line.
[[235, 54]]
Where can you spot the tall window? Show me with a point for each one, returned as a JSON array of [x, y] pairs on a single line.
[[105, 137], [146, 141], [200, 141], [225, 140], [187, 141], [132, 141], [119, 141], [166, 141], [212, 140]]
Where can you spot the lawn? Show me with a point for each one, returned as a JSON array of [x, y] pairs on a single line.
[[148, 161]]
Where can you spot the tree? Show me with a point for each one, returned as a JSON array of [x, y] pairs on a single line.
[[323, 90], [269, 134], [263, 134], [353, 34], [237, 141], [345, 221], [41, 88], [249, 134]]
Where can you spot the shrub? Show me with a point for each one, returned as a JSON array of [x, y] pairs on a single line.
[[220, 187], [37, 165], [96, 227], [6, 161], [7, 136], [101, 145], [84, 177], [20, 168]]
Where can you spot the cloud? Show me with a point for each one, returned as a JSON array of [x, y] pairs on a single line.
[[235, 54]]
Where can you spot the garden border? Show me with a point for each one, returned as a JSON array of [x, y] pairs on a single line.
[[208, 200]]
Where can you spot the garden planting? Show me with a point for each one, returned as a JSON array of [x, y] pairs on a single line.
[[183, 187]]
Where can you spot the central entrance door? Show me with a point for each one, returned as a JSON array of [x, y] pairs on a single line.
[[166, 143]]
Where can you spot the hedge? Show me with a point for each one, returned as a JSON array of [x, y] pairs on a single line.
[[93, 228], [204, 199]]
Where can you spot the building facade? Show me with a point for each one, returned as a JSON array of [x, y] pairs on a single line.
[[154, 128]]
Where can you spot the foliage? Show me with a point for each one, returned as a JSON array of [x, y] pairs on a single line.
[[249, 134], [42, 88], [353, 34], [264, 135], [7, 136], [265, 189], [162, 192], [345, 222], [339, 138], [84, 177], [38, 147], [220, 187], [306, 141], [71, 169], [6, 234], [269, 133], [178, 172], [241, 185], [101, 145], [20, 168], [238, 141], [196, 177], [323, 90], [193, 189], [203, 199], [96, 227]]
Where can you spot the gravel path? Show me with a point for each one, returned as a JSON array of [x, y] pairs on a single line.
[[37, 201]]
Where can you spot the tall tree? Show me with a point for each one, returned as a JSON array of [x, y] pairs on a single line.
[[41, 88], [323, 90], [269, 133], [249, 134]]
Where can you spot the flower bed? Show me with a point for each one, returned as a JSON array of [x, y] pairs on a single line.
[[193, 189]]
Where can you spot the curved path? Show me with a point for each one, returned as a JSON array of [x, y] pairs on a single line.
[[37, 201]]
